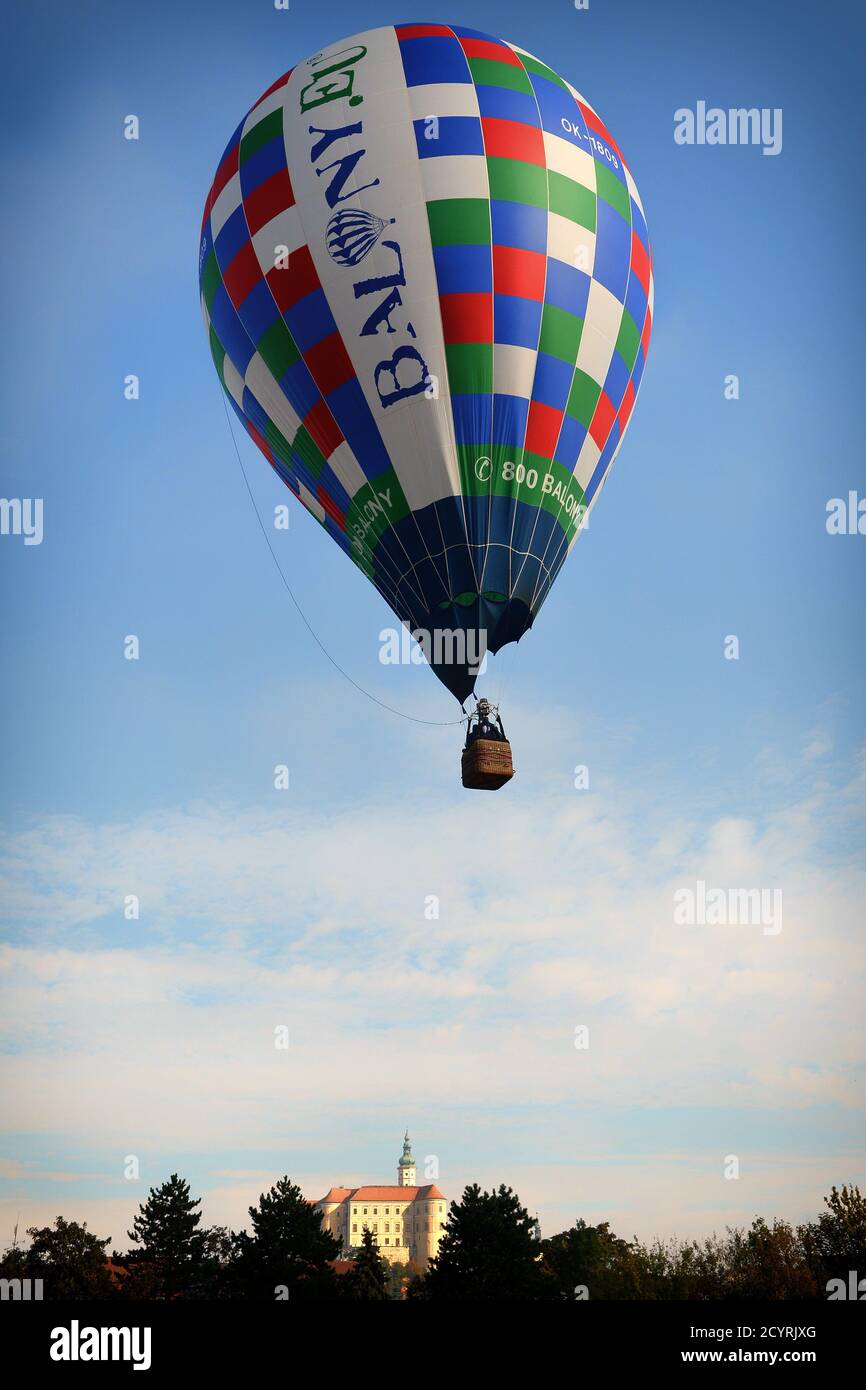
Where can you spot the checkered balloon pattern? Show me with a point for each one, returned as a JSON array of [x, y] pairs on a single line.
[[427, 282]]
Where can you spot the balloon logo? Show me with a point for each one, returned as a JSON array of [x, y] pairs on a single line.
[[352, 233], [511, 267]]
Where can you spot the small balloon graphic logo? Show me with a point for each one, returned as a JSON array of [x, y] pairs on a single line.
[[352, 233]]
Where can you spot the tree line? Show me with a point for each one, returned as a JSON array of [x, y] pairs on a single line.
[[490, 1250]]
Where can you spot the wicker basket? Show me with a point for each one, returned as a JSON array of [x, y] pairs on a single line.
[[487, 764]]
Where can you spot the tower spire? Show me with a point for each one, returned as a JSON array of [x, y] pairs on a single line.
[[406, 1165]]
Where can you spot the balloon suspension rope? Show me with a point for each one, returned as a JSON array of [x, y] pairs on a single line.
[[438, 723]]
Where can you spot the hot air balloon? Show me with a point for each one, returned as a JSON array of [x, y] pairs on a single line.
[[427, 282]]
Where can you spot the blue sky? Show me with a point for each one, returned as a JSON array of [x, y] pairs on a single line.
[[307, 907]]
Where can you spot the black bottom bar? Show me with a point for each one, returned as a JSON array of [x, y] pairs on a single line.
[[238, 1338]]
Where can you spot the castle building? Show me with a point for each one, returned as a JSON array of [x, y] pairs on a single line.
[[407, 1221]]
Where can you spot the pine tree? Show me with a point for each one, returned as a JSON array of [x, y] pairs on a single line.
[[172, 1246], [489, 1251], [369, 1276], [288, 1253]]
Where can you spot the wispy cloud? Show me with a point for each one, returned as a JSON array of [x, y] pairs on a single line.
[[155, 1033]]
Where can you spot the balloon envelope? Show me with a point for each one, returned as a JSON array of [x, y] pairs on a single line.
[[426, 277]]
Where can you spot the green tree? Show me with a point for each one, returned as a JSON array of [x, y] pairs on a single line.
[[12, 1262], [399, 1275], [417, 1290], [664, 1271], [489, 1251], [592, 1258], [220, 1249], [172, 1247], [287, 1250], [369, 1276], [764, 1262], [836, 1242], [768, 1262], [70, 1260]]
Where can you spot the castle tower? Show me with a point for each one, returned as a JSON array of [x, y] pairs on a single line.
[[406, 1165]]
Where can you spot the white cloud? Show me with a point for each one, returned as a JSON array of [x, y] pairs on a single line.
[[158, 1035]]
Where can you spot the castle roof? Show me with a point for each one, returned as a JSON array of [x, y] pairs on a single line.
[[336, 1194], [394, 1193]]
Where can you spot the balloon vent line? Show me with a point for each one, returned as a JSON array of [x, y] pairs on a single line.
[[401, 714]]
